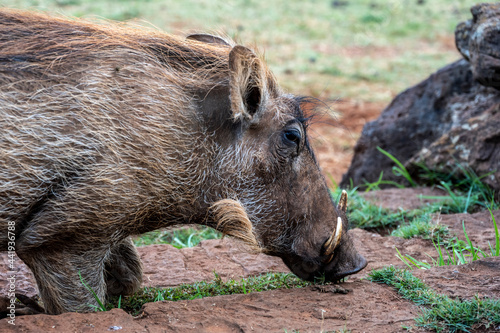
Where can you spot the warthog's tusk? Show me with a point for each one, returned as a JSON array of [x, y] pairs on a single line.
[[343, 202], [334, 240]]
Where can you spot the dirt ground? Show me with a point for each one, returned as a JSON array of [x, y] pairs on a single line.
[[366, 307]]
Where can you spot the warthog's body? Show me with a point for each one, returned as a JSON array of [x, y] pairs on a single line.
[[107, 132]]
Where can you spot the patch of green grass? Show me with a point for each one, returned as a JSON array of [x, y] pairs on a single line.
[[179, 238], [439, 312], [466, 191], [67, 2], [364, 214], [127, 13], [269, 281], [456, 252], [422, 226], [456, 315], [406, 284]]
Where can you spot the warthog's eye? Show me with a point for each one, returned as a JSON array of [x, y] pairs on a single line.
[[292, 136], [292, 140]]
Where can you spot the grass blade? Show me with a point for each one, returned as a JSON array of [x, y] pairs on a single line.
[[418, 263], [497, 237], [400, 167], [460, 256], [101, 306], [472, 249], [468, 200], [440, 253], [403, 259]]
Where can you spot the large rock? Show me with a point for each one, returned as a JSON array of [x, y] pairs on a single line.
[[478, 41], [451, 117]]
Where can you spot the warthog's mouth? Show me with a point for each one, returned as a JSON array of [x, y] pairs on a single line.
[[340, 266], [337, 269]]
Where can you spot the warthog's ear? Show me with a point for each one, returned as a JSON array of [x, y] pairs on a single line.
[[209, 39], [247, 86]]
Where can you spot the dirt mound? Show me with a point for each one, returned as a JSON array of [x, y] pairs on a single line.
[[166, 266], [403, 198], [367, 306], [381, 251]]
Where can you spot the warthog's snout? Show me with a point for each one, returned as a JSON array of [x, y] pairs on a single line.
[[345, 262], [337, 257]]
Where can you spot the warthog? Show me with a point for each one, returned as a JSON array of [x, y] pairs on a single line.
[[109, 131]]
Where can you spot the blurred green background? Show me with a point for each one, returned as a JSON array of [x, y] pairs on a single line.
[[363, 50]]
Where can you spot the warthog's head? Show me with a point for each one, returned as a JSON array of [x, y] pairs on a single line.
[[270, 191]]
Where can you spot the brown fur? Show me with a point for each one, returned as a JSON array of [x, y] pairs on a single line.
[[110, 131]]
